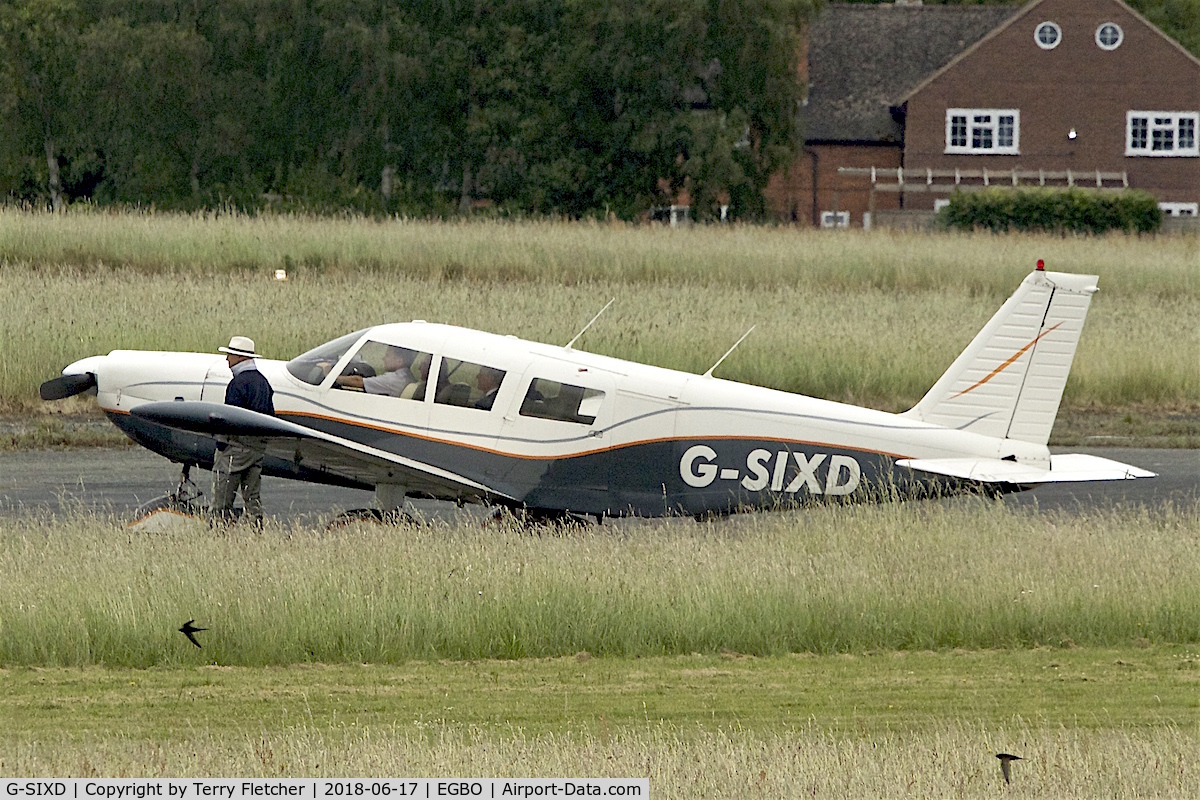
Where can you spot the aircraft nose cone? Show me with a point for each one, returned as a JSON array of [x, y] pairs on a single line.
[[90, 364]]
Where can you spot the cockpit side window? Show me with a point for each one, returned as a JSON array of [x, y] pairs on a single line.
[[463, 383], [561, 401], [313, 367], [386, 369]]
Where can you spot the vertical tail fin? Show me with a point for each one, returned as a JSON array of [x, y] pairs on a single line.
[[1009, 381]]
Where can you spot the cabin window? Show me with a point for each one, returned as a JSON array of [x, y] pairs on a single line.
[[983, 131], [468, 385], [386, 369], [1180, 209], [313, 367], [548, 399], [1162, 133]]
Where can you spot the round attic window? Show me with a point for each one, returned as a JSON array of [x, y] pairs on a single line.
[[1047, 35], [1109, 36]]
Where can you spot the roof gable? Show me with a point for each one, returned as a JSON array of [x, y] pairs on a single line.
[[1032, 14]]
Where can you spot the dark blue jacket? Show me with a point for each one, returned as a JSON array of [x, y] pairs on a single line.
[[249, 389]]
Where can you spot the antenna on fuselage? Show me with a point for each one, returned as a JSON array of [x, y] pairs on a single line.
[[585, 327], [709, 374]]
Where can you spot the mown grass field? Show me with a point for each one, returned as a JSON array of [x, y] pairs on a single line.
[[1088, 722], [871, 318]]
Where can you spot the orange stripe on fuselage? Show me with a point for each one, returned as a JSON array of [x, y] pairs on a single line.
[[1006, 364]]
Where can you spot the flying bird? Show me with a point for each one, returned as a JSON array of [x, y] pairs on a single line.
[[188, 629], [1006, 760]]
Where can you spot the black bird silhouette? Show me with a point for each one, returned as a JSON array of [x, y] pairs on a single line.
[[1006, 760], [188, 629]]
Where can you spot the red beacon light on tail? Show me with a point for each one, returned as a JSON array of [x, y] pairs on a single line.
[[1041, 267]]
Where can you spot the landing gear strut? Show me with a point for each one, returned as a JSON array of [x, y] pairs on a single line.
[[185, 498]]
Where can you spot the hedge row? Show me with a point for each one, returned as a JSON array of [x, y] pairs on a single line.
[[1055, 211]]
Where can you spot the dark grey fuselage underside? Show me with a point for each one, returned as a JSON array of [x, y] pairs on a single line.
[[643, 479]]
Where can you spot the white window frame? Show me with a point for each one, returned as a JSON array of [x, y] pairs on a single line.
[[1057, 38], [980, 121], [1114, 45], [1162, 122], [1180, 209], [835, 219]]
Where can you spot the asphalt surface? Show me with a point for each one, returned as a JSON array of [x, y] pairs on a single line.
[[117, 482]]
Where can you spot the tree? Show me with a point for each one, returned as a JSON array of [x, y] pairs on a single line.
[[39, 39], [675, 94], [575, 107], [151, 109]]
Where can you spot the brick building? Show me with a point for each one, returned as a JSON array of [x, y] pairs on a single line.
[[1057, 92]]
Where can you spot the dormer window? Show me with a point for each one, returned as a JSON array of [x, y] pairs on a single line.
[[1109, 36], [1047, 35]]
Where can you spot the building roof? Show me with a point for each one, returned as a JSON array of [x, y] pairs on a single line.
[[1027, 9], [863, 58]]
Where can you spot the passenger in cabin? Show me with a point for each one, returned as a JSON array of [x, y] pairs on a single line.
[[421, 370], [488, 380], [396, 363]]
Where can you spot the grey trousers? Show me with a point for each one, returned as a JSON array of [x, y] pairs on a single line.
[[237, 468]]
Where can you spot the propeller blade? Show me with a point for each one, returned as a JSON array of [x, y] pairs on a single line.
[[67, 386]]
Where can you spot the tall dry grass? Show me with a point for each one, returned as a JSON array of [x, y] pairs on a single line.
[[894, 577], [561, 252], [865, 344]]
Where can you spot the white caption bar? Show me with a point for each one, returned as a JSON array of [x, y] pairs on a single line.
[[320, 788]]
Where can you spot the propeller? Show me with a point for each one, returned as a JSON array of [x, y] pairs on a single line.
[[67, 386]]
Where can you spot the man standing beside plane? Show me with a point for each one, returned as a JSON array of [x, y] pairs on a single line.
[[238, 460]]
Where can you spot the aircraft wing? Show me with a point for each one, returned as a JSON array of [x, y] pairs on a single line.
[[314, 449], [1070, 467]]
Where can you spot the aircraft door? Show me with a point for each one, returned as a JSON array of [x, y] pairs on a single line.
[[556, 436], [215, 381], [468, 395]]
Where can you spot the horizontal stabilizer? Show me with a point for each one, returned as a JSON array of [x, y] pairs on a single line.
[[1066, 468]]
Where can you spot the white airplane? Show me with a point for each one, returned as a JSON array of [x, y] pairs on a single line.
[[573, 433]]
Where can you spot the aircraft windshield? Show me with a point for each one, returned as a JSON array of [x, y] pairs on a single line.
[[313, 366]]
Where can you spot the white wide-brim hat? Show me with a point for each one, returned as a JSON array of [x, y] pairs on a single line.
[[240, 346]]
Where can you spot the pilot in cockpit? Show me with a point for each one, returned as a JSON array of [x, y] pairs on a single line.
[[397, 363]]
